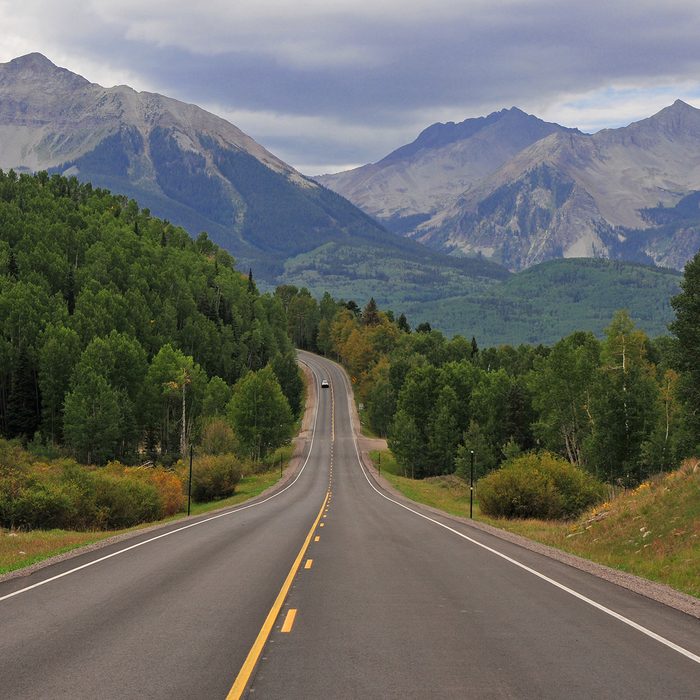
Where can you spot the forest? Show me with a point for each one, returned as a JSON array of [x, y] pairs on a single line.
[[122, 338], [620, 407], [123, 341]]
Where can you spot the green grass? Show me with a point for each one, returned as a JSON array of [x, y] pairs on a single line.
[[652, 531], [23, 548], [448, 493]]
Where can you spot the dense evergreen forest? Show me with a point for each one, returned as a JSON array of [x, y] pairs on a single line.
[[121, 337], [621, 408]]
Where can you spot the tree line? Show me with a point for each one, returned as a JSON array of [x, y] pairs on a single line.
[[620, 407], [121, 337]]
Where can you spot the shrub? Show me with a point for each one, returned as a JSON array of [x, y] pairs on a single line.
[[538, 485], [218, 437], [170, 489], [126, 501], [63, 494], [213, 476]]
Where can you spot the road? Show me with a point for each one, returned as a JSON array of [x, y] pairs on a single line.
[[333, 588]]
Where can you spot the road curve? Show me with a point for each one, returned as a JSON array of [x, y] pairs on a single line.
[[387, 601]]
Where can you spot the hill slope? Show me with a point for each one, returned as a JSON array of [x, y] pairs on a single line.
[[185, 164], [199, 171], [556, 298], [521, 191], [572, 195]]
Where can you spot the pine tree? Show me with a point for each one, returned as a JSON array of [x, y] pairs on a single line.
[[370, 314], [12, 267], [475, 348], [686, 328], [403, 325], [23, 400], [70, 291]]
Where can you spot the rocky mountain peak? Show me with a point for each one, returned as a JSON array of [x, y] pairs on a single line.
[[35, 67]]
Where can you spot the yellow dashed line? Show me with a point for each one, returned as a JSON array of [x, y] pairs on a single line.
[[289, 620], [317, 538], [308, 564]]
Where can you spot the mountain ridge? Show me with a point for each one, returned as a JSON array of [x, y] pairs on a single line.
[[613, 177], [420, 179]]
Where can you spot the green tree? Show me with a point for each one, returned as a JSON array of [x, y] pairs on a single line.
[[623, 404], [92, 419], [259, 413], [58, 355], [485, 456], [174, 391], [381, 405], [403, 440], [561, 384], [288, 375], [302, 320], [370, 314], [686, 329], [444, 433], [216, 398]]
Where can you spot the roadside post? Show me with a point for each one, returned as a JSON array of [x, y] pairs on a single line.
[[189, 484], [471, 484], [380, 464]]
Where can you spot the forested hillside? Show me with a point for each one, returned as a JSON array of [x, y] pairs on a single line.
[[621, 408], [119, 334]]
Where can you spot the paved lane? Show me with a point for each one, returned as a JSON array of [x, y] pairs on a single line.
[[387, 603], [172, 618], [395, 606]]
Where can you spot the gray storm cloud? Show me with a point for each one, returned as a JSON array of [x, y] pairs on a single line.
[[345, 82]]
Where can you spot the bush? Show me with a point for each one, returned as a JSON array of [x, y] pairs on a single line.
[[213, 476], [125, 501], [63, 494], [538, 485], [218, 437]]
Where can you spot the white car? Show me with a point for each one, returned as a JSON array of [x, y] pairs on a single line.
[[324, 384]]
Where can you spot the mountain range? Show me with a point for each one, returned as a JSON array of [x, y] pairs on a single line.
[[520, 191], [200, 172], [194, 169]]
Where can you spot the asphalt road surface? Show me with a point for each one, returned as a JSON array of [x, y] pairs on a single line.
[[333, 588]]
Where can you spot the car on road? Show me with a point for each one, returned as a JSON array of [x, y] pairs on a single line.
[[324, 384]]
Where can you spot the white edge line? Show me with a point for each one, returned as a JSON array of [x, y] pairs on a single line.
[[534, 572], [179, 529]]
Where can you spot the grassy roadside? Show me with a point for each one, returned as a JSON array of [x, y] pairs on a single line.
[[19, 548], [652, 531]]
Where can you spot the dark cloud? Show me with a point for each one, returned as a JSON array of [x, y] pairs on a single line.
[[345, 71]]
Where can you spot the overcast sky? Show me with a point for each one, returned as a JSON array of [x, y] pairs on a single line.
[[330, 84]]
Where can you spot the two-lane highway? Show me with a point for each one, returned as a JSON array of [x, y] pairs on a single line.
[[399, 604], [362, 594]]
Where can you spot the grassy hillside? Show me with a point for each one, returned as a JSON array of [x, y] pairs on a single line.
[[652, 531]]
